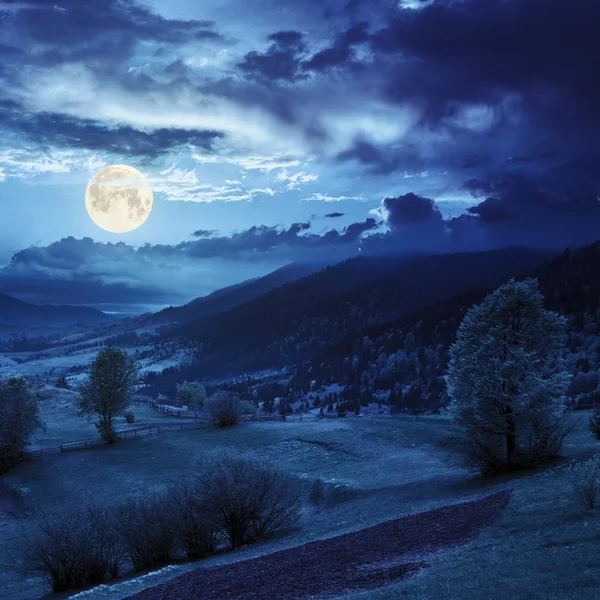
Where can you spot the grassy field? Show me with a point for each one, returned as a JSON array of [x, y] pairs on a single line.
[[59, 411], [544, 545]]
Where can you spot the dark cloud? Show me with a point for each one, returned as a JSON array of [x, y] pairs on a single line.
[[281, 62], [451, 53], [121, 277], [514, 211], [87, 30], [257, 242], [204, 233], [341, 52], [409, 209], [292, 39], [376, 160], [334, 215], [52, 129]]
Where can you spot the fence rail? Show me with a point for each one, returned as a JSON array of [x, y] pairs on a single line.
[[148, 431]]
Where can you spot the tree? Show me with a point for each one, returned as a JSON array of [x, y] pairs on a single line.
[[506, 380], [19, 418], [108, 391], [62, 383], [191, 393]]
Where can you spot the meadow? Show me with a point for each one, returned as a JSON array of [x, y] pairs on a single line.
[[377, 468]]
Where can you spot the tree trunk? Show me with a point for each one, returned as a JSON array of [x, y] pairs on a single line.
[[510, 437]]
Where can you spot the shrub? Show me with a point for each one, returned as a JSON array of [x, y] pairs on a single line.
[[130, 417], [73, 548], [585, 478], [247, 498], [195, 532], [148, 530], [225, 407]]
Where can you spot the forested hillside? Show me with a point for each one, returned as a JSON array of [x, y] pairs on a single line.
[[403, 361], [300, 320]]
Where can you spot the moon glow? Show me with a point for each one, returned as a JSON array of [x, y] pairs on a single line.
[[118, 198]]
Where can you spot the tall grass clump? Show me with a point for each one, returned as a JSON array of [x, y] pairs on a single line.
[[585, 479]]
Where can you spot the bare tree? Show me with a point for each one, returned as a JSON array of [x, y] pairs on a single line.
[[73, 548], [195, 531], [247, 498], [148, 529], [225, 407]]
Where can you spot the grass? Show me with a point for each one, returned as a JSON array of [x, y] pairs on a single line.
[[544, 543], [59, 412]]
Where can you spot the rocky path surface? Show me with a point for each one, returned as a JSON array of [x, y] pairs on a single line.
[[364, 559]]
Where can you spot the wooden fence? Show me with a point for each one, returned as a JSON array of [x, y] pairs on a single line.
[[148, 431]]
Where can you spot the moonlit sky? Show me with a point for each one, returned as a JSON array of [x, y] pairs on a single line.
[[282, 130]]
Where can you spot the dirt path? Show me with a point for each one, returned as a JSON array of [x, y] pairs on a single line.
[[365, 559]]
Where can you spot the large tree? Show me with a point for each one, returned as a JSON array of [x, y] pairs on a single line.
[[506, 379], [19, 418], [107, 393]]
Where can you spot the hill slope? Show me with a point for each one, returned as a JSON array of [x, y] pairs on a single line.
[[227, 298], [17, 312], [403, 361], [298, 320]]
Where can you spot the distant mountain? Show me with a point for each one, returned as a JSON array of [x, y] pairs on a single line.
[[227, 298], [17, 312], [292, 323]]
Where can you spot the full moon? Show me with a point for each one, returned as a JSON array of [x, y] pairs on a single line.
[[118, 198]]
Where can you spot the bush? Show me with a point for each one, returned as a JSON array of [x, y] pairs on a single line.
[[195, 531], [225, 407], [73, 548], [148, 530], [247, 498], [130, 417], [585, 478]]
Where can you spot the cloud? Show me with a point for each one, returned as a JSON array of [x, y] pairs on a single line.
[[509, 210], [85, 30], [52, 129], [203, 233], [341, 52], [410, 209], [123, 278], [281, 62], [334, 215], [321, 197], [295, 180]]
